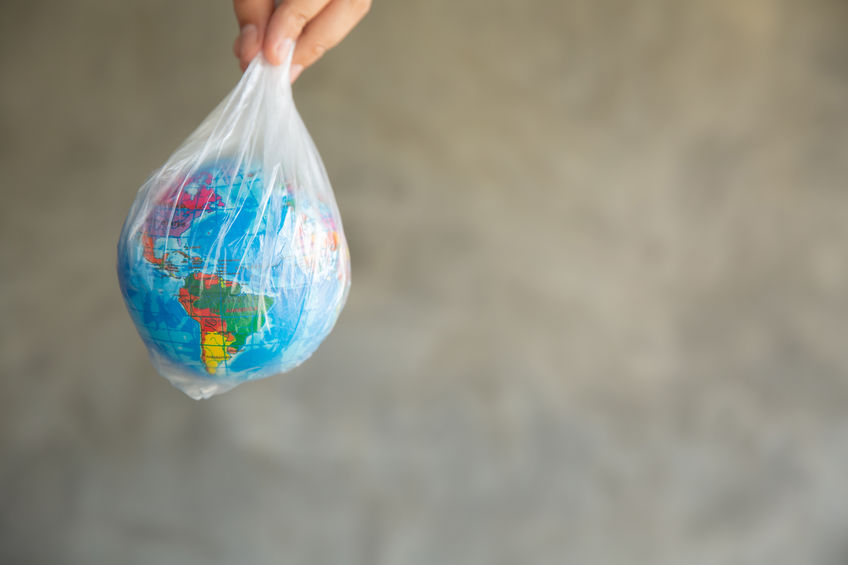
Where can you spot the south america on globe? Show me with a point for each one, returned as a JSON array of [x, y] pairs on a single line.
[[228, 279]]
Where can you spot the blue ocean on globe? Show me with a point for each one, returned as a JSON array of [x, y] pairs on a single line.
[[228, 280]]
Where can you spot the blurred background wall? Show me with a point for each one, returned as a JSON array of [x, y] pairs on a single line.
[[599, 302]]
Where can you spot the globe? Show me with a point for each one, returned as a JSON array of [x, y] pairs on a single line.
[[229, 280]]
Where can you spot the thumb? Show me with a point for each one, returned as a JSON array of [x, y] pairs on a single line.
[[252, 17]]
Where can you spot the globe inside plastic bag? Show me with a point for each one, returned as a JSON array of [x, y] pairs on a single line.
[[232, 260]]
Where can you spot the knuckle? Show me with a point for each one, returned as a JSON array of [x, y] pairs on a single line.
[[318, 50], [297, 18]]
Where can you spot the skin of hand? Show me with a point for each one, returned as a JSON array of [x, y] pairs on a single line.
[[316, 25]]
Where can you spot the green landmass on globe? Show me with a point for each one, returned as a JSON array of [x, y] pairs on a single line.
[[227, 315]]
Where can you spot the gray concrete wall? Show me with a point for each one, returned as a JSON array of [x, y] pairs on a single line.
[[599, 303]]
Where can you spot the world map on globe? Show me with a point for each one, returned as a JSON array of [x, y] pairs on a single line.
[[228, 279]]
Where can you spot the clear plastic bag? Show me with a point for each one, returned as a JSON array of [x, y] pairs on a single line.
[[232, 260]]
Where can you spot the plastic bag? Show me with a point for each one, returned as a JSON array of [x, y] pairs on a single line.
[[232, 260]]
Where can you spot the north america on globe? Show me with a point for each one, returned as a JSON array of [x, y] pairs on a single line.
[[173, 215]]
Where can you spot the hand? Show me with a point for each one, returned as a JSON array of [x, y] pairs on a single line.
[[317, 25]]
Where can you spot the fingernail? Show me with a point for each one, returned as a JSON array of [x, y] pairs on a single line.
[[248, 36], [283, 49], [295, 72]]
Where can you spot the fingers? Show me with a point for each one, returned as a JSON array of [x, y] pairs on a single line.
[[318, 25], [326, 30], [287, 22], [252, 16]]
